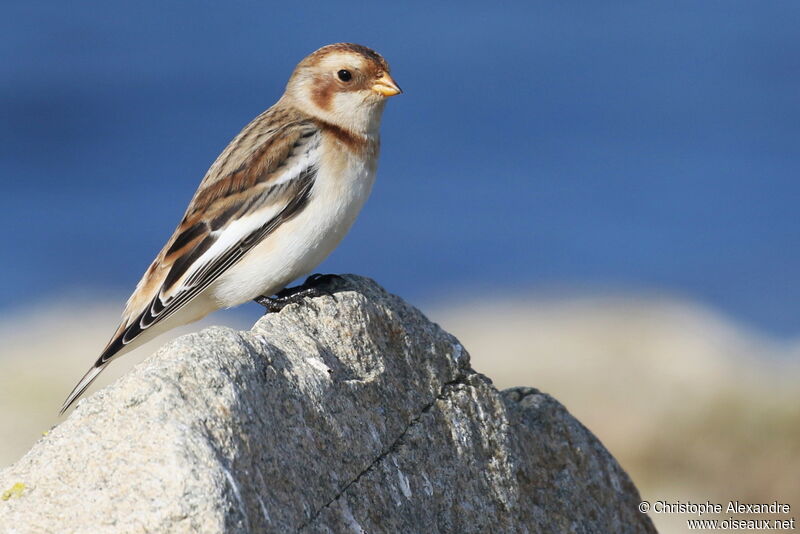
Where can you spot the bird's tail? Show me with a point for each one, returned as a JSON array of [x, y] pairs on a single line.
[[87, 379]]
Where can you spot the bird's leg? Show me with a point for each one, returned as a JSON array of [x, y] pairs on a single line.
[[270, 303], [284, 297], [315, 285]]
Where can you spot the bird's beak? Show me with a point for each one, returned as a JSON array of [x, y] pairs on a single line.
[[386, 86]]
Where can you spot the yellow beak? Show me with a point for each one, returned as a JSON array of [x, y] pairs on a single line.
[[386, 86]]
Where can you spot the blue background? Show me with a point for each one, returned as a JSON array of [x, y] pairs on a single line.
[[600, 146]]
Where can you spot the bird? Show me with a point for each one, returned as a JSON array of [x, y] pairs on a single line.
[[273, 205]]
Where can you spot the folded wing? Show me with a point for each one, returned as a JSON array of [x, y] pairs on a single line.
[[226, 218], [261, 180]]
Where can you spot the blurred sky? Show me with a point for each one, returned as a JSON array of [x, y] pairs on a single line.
[[600, 146]]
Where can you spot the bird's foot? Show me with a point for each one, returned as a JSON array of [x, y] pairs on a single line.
[[315, 285], [322, 282]]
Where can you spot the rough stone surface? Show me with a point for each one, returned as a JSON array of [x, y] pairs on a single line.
[[344, 413]]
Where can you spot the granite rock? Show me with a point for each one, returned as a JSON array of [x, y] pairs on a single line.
[[349, 412]]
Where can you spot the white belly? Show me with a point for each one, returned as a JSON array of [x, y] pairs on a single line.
[[297, 246]]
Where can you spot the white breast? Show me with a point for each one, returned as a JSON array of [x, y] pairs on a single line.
[[300, 244]]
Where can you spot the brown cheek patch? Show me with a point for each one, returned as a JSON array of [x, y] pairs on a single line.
[[322, 95]]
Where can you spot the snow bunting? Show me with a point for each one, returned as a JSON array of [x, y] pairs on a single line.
[[274, 204]]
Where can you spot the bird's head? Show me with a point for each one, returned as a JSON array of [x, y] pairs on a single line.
[[344, 84]]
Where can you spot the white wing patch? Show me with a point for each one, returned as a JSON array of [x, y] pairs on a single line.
[[309, 159], [232, 234], [226, 238]]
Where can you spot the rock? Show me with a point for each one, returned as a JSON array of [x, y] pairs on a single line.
[[344, 413]]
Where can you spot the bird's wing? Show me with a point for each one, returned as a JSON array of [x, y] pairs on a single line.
[[262, 179], [243, 198]]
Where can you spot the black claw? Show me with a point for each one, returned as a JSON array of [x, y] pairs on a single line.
[[316, 285]]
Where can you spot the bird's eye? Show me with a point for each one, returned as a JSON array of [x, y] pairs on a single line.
[[344, 75]]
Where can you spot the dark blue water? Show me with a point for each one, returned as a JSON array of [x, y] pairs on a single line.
[[610, 145]]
